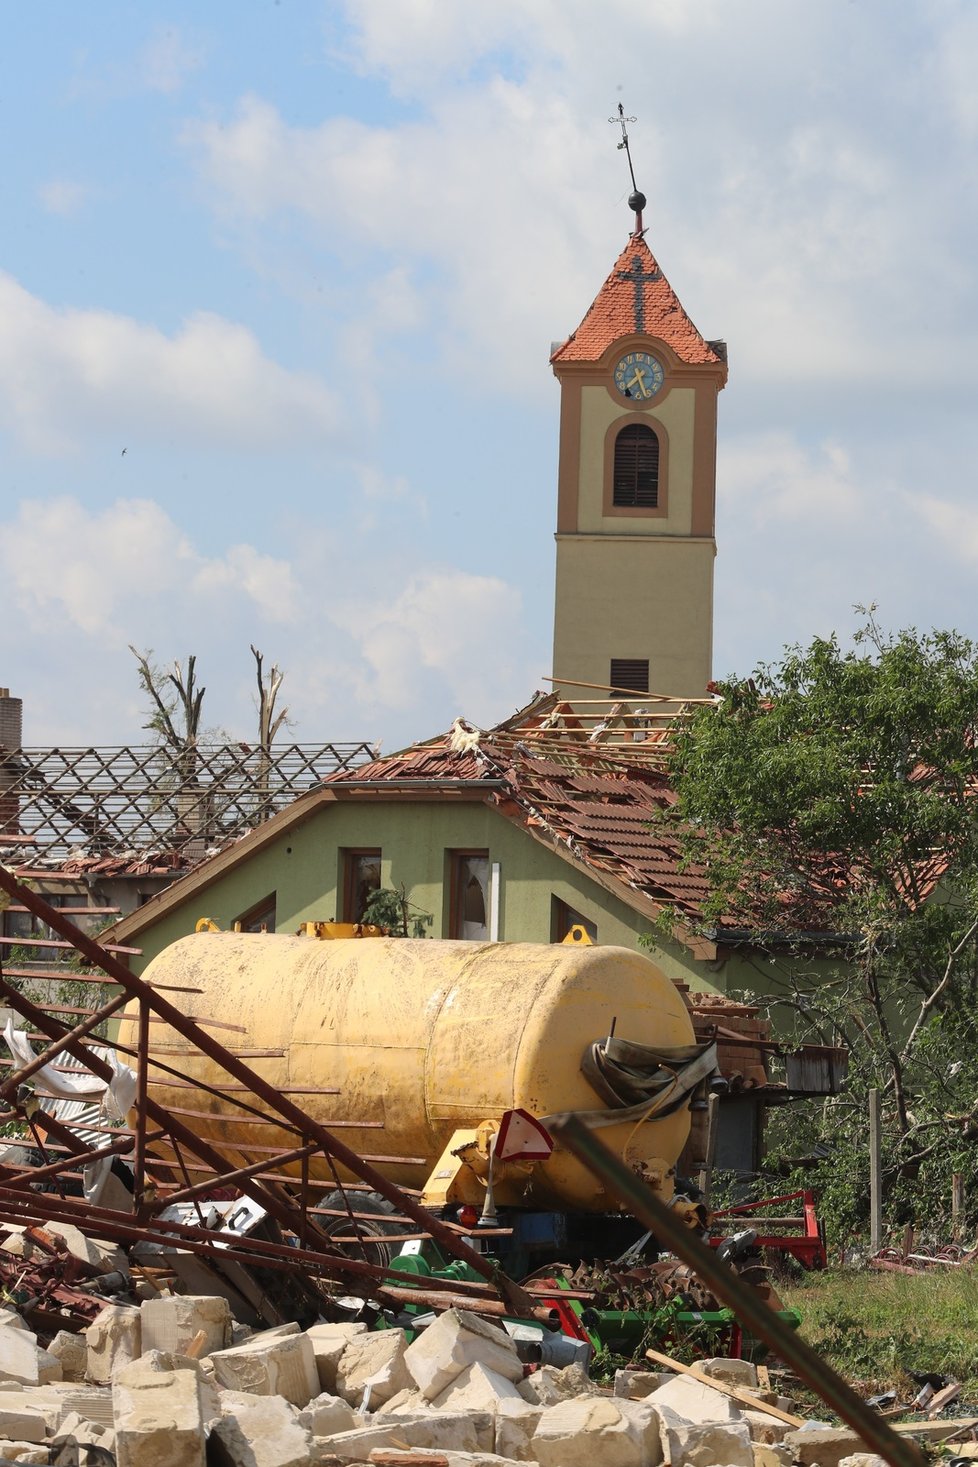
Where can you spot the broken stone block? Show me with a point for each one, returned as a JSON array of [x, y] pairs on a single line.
[[701, 1444], [158, 1417], [516, 1421], [172, 1322], [15, 1399], [377, 1358], [636, 1385], [456, 1340], [20, 1357], [600, 1429], [326, 1415], [477, 1389], [26, 1452], [409, 1401], [823, 1445], [72, 1351], [22, 1423], [548, 1386], [432, 1431], [90, 1405], [870, 1459], [48, 1367], [11, 1319], [772, 1456], [766, 1429], [328, 1343], [268, 1433], [281, 1366], [732, 1372], [695, 1401], [114, 1340]]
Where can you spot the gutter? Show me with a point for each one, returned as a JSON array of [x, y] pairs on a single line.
[[415, 784], [745, 937]]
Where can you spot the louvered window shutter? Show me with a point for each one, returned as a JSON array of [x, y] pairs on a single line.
[[630, 674], [636, 473]]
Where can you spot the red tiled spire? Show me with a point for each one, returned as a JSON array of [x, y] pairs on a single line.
[[635, 299]]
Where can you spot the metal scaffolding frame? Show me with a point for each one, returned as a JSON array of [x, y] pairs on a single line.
[[172, 1164]]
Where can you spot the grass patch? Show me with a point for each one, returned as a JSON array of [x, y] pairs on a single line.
[[873, 1327]]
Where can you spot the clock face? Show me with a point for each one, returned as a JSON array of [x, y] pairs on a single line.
[[639, 375]]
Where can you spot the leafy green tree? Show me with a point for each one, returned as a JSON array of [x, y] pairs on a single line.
[[832, 801]]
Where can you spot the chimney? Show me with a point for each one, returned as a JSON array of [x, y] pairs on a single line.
[[11, 739]]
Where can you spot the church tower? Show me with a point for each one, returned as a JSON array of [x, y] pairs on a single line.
[[636, 487]]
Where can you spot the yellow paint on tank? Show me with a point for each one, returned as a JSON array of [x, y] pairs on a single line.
[[422, 1037]]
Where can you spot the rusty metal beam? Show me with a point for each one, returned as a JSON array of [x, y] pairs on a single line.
[[621, 1182], [268, 1197]]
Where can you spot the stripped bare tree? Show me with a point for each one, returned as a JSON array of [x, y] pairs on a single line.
[[269, 723]]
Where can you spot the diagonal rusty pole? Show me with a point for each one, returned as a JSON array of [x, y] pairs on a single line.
[[99, 957], [621, 1182]]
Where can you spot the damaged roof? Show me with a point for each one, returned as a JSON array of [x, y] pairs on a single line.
[[637, 299], [584, 801]]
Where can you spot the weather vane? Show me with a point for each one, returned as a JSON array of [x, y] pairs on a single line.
[[637, 199]]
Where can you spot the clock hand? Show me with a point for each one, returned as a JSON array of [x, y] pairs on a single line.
[[641, 383]]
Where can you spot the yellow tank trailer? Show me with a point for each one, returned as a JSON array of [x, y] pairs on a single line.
[[427, 1044]]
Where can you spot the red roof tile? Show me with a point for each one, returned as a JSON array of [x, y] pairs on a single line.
[[636, 298]]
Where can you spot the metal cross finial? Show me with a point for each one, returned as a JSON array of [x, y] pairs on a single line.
[[637, 200]]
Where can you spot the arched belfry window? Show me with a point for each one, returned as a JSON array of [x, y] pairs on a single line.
[[636, 471]]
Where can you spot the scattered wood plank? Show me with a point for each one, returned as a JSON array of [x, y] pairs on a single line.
[[736, 1393]]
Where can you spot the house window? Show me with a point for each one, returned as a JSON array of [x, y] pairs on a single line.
[[361, 878], [470, 895], [635, 483], [629, 674], [259, 918], [563, 918]]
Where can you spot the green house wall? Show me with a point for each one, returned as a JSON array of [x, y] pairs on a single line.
[[304, 868]]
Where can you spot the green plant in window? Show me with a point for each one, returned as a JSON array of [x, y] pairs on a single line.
[[389, 907]]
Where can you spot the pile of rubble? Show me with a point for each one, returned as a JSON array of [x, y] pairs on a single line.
[[176, 1382]]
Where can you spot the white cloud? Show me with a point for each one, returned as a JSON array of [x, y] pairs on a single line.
[[447, 629], [161, 65], [166, 61], [66, 375], [63, 196], [771, 476], [955, 526], [95, 571], [796, 224]]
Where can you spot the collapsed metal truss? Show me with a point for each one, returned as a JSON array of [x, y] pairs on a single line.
[[126, 800], [171, 1164]]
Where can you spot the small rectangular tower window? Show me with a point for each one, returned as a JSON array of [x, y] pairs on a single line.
[[630, 674]]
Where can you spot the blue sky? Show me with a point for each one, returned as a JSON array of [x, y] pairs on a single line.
[[303, 263]]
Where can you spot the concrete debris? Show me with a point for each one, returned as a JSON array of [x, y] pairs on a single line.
[[548, 1386], [375, 1360], [600, 1429], [265, 1432], [328, 1343], [130, 1391], [456, 1341], [72, 1351], [173, 1323], [159, 1419], [114, 1340], [283, 1365], [731, 1372]]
